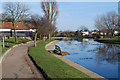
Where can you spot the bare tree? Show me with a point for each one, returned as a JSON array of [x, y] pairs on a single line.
[[0, 16], [16, 12], [111, 20], [99, 23], [42, 26], [50, 11], [35, 24], [107, 22]]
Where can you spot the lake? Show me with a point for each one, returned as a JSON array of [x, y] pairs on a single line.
[[100, 58]]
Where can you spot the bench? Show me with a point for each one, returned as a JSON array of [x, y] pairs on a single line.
[[57, 50], [8, 45]]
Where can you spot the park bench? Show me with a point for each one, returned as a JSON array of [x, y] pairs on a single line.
[[57, 50], [8, 45]]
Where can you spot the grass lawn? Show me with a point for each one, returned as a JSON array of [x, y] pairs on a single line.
[[11, 41], [111, 39], [53, 67]]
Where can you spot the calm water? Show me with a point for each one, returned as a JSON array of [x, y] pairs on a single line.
[[98, 57]]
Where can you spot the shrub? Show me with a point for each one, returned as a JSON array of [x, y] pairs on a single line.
[[24, 41]]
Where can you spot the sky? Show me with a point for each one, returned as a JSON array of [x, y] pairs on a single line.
[[72, 15]]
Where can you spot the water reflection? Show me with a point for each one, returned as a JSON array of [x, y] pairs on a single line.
[[104, 52], [108, 52]]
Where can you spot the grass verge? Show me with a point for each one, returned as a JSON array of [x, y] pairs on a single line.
[[11, 41], [111, 39], [52, 66]]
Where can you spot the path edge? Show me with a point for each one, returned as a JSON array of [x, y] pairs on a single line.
[[33, 67]]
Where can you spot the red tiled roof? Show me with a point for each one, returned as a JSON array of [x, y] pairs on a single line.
[[0, 24], [84, 31], [18, 25]]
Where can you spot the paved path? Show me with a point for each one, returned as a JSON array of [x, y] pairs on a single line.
[[15, 65]]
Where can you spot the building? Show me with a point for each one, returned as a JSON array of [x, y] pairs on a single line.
[[6, 29], [85, 33], [117, 32], [95, 32]]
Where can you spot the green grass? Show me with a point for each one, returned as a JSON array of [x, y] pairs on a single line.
[[111, 39], [12, 42], [53, 67]]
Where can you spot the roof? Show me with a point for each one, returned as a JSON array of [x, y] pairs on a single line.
[[0, 24], [84, 31], [18, 25]]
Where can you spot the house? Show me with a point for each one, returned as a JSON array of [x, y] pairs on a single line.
[[85, 33], [103, 33], [94, 32], [108, 32], [6, 29], [117, 32], [58, 33]]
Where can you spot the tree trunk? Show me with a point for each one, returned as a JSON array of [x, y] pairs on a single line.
[[14, 32], [49, 36], [35, 39], [44, 38], [112, 34], [40, 37], [3, 41]]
